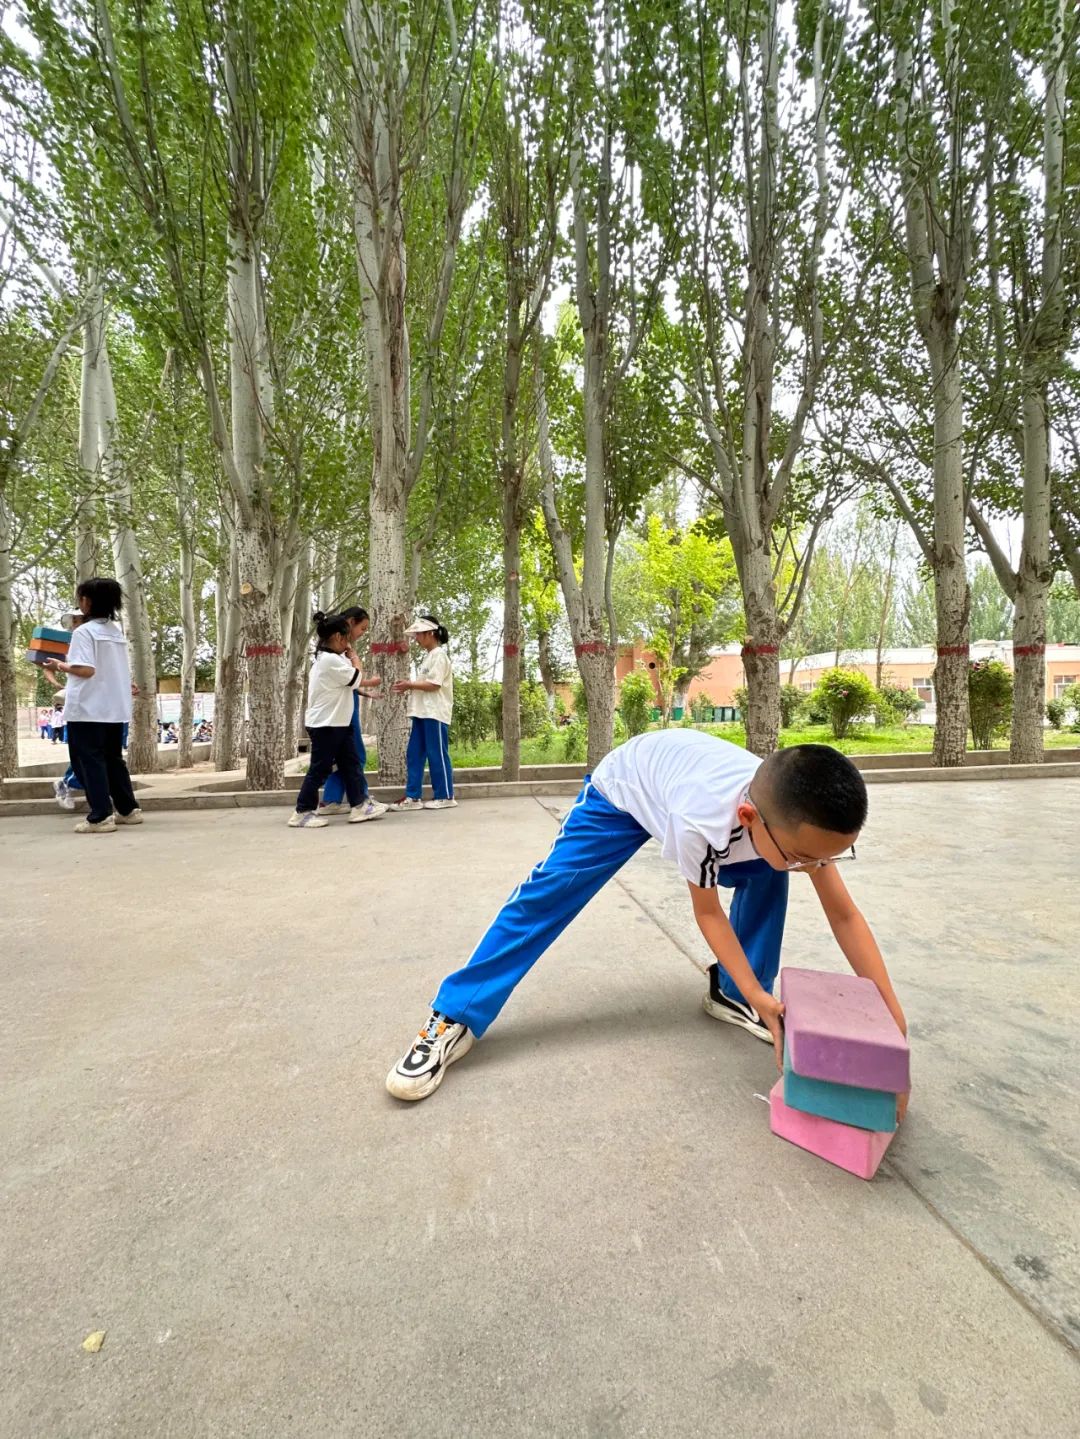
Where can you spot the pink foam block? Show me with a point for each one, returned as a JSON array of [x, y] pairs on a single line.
[[858, 1151], [838, 1029]]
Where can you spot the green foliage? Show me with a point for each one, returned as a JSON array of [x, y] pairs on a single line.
[[580, 700], [701, 708], [575, 741], [472, 711], [843, 695], [1056, 711], [895, 705], [990, 695], [792, 706], [636, 700], [1071, 698], [740, 698]]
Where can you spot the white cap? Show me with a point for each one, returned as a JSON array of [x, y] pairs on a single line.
[[421, 627]]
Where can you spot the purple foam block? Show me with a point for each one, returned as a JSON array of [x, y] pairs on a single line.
[[838, 1029]]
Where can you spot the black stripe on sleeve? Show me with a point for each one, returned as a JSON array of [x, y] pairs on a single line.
[[708, 869]]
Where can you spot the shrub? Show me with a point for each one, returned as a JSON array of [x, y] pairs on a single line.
[[792, 705], [545, 738], [473, 721], [534, 710], [740, 697], [843, 695], [1056, 710], [1071, 700], [896, 705], [575, 741], [701, 708], [636, 700], [619, 732], [990, 696]]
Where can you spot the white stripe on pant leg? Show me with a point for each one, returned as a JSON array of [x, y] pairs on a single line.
[[442, 760]]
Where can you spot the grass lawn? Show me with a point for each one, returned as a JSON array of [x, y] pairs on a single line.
[[914, 739]]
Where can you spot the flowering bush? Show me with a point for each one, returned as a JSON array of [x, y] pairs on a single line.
[[843, 695]]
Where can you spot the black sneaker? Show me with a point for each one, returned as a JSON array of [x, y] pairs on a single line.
[[420, 1070], [733, 1011]]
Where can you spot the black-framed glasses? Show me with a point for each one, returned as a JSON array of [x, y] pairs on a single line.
[[807, 865]]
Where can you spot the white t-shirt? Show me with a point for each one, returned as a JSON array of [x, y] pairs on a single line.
[[104, 698], [684, 788], [434, 704], [331, 686]]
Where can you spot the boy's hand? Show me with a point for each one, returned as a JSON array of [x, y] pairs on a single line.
[[901, 1106], [772, 1012]]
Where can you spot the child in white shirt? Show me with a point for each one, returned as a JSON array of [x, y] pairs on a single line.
[[431, 708]]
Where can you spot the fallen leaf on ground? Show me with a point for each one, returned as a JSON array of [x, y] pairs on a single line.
[[93, 1342]]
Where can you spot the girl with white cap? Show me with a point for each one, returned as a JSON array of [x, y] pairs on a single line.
[[431, 707]]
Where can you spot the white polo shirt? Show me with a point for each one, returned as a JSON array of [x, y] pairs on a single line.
[[104, 698], [434, 704], [331, 686], [684, 787]]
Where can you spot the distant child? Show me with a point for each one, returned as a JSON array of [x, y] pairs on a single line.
[[98, 708], [335, 676], [727, 819], [431, 708], [334, 788]]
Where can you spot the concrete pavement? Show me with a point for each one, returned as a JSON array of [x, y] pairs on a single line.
[[589, 1230]]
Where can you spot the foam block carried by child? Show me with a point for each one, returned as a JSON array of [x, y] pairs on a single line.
[[839, 1029], [846, 1103], [48, 644], [859, 1151]]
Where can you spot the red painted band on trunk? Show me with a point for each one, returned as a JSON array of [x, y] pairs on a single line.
[[1029, 649], [594, 647], [254, 652], [760, 650], [510, 651], [945, 650], [394, 647]]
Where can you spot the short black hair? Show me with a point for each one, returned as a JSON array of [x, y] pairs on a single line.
[[816, 784], [105, 596]]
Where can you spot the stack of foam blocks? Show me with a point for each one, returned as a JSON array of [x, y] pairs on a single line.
[[46, 644], [845, 1062]]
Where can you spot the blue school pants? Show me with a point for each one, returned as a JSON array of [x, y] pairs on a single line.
[[595, 841], [334, 788], [429, 744]]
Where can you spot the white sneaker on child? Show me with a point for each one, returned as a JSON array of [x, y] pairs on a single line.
[[369, 809], [420, 1070], [64, 797], [405, 805], [440, 804], [307, 819], [334, 808]]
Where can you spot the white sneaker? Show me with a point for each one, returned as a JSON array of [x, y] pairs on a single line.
[[370, 809], [104, 826], [307, 820], [333, 808], [135, 817], [440, 804], [420, 1070], [405, 805], [64, 797]]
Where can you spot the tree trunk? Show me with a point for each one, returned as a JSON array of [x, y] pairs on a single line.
[[952, 595], [229, 692], [9, 704], [547, 668], [389, 647], [189, 633], [143, 738], [511, 670], [761, 662], [263, 649], [298, 654], [90, 447]]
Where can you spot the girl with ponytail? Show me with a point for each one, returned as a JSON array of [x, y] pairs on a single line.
[[431, 707]]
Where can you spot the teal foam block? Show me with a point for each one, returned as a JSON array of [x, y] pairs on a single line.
[[846, 1103], [43, 632]]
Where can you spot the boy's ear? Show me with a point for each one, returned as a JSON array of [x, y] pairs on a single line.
[[747, 813]]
